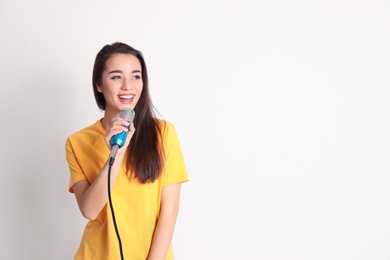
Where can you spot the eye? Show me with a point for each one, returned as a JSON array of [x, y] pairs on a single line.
[[137, 77], [116, 77]]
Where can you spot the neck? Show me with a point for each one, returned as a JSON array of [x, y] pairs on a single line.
[[107, 118]]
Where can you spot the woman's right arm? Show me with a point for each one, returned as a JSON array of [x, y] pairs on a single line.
[[91, 198]]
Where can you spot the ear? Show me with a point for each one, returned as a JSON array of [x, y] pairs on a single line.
[[98, 88]]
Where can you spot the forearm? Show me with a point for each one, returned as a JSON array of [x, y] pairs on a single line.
[[162, 236], [163, 232], [94, 197]]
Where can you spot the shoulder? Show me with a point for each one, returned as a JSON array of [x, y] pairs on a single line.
[[87, 134], [166, 127]]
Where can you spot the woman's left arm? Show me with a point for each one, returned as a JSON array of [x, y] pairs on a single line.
[[163, 233]]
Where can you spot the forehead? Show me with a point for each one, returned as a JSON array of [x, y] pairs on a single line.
[[122, 62]]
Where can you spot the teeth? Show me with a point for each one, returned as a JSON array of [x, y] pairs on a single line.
[[126, 97]]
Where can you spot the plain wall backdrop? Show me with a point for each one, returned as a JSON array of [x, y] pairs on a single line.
[[282, 110]]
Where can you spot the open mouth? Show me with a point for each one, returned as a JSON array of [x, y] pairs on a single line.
[[126, 97]]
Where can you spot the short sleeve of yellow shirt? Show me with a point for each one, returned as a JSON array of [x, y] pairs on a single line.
[[136, 205]]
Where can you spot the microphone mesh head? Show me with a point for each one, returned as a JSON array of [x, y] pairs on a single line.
[[127, 114]]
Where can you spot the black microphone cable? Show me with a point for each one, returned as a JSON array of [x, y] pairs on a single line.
[[112, 208]]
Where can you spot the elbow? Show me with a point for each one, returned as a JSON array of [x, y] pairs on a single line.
[[89, 215], [88, 211]]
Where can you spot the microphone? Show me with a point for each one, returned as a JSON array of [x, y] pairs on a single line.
[[118, 140]]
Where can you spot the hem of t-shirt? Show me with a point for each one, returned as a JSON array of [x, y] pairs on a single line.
[[175, 182]]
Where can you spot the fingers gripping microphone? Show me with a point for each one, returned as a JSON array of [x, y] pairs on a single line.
[[117, 141]]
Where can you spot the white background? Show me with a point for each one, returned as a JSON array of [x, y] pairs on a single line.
[[282, 110]]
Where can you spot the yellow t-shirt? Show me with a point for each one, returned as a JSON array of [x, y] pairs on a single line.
[[136, 205]]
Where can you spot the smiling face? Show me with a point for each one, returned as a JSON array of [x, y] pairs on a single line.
[[121, 83]]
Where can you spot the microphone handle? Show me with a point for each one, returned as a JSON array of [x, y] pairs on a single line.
[[114, 150]]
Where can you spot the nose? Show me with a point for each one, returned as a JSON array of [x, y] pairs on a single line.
[[127, 85]]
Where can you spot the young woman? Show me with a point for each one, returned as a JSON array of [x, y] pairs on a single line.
[[145, 176]]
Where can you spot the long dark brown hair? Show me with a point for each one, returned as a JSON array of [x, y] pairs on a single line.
[[145, 153]]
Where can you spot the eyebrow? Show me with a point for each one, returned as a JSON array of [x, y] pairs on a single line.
[[119, 71]]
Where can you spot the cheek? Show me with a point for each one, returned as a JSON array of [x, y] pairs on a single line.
[[139, 92], [140, 88]]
